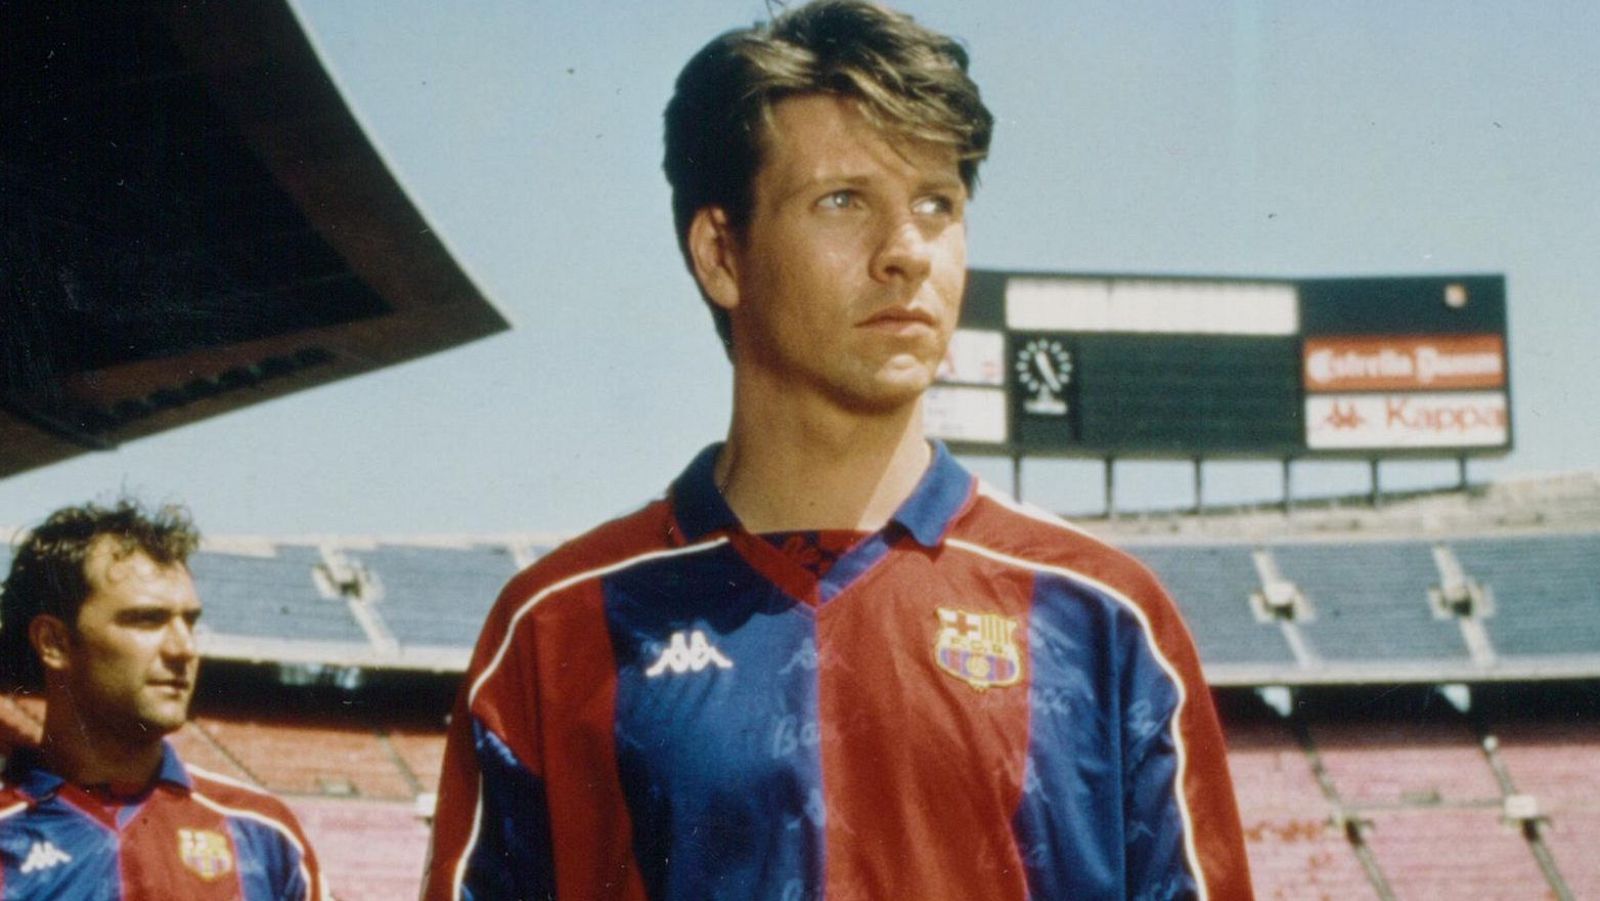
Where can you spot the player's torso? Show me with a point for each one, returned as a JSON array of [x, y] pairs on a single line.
[[874, 744]]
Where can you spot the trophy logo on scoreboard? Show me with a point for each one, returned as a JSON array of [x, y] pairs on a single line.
[[1044, 370]]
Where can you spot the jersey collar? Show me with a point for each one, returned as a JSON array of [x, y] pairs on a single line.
[[926, 515], [25, 771]]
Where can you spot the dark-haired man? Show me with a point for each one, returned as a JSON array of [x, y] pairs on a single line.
[[830, 664], [99, 610]]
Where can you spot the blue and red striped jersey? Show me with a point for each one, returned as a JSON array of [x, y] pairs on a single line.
[[977, 701], [192, 835]]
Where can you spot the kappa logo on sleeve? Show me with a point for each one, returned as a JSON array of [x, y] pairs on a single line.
[[687, 652], [980, 649], [43, 856]]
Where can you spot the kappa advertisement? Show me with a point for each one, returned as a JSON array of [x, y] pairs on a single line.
[[1406, 420]]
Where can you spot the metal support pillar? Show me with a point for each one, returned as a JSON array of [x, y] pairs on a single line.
[[1016, 477], [1199, 487], [1377, 486], [1288, 486], [1111, 488], [1461, 474]]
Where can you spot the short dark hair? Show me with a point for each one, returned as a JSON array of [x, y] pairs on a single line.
[[48, 575], [906, 79]]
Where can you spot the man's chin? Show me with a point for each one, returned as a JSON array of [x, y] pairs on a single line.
[[885, 397], [165, 719]]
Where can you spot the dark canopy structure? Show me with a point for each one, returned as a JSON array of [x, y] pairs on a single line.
[[192, 221]]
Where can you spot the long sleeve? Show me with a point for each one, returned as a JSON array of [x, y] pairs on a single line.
[[491, 834]]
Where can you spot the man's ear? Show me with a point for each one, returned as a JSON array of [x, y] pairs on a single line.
[[713, 246], [50, 638]]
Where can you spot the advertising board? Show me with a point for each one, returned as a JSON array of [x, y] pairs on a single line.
[[1404, 363], [1406, 420]]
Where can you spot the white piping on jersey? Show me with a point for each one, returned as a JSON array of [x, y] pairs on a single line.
[[511, 627], [505, 645], [1190, 850], [228, 780], [313, 890], [460, 874], [14, 809]]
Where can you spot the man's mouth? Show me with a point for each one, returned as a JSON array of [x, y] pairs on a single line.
[[899, 317]]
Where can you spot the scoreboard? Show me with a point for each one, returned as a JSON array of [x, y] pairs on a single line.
[[1186, 368]]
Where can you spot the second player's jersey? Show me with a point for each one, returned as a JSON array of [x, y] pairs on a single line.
[[192, 836], [974, 702]]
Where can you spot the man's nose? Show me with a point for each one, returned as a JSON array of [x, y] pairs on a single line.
[[178, 643], [903, 252]]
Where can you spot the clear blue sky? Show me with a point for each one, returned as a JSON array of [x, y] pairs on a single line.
[[1243, 138]]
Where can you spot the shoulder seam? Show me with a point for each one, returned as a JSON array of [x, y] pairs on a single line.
[[561, 585]]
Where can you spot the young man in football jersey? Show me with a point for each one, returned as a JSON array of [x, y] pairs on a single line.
[[99, 610], [830, 664]]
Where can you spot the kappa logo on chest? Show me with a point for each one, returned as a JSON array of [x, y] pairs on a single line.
[[687, 652], [980, 649], [42, 856]]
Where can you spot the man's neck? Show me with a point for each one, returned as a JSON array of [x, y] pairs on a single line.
[[807, 464], [85, 756]]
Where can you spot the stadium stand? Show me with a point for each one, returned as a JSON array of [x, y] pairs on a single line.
[[1370, 600], [301, 758], [1415, 761], [1546, 589], [1554, 762], [271, 596], [436, 595], [1217, 581], [1296, 847], [1453, 852]]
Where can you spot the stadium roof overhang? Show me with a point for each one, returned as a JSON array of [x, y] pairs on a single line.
[[191, 222]]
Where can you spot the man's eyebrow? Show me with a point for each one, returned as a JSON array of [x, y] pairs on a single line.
[[942, 182], [141, 614], [152, 611], [821, 178]]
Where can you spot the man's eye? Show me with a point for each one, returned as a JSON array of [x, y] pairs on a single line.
[[838, 200], [936, 205]]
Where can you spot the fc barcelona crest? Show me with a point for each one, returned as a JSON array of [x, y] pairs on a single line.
[[206, 853], [980, 649]]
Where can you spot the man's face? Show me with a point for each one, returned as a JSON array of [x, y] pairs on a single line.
[[130, 663], [848, 280]]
